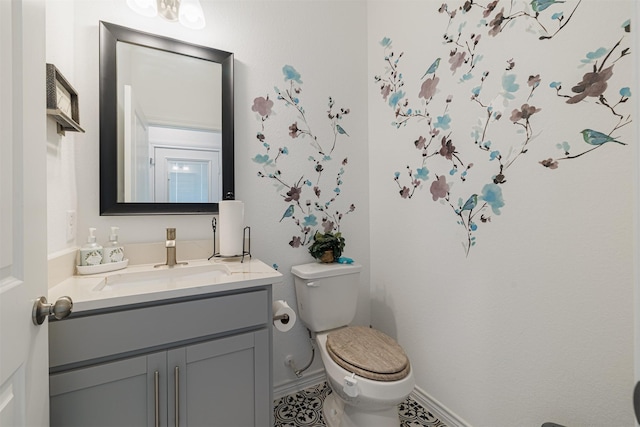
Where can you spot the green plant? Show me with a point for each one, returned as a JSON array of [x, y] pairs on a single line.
[[327, 242]]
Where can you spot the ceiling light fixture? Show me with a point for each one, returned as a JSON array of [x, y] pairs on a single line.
[[188, 12]]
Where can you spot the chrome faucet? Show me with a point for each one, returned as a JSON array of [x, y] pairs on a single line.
[[170, 244]]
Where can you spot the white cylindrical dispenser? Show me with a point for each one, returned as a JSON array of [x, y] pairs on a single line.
[[231, 227]]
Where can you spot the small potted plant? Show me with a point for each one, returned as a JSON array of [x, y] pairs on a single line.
[[327, 247]]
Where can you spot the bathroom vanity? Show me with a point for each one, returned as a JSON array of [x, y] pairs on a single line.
[[188, 346]]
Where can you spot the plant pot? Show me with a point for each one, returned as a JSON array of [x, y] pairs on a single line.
[[327, 257]]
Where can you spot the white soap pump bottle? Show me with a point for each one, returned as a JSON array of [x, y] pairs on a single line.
[[113, 251], [91, 253]]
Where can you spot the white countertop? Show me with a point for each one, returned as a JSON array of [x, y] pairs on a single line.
[[89, 292]]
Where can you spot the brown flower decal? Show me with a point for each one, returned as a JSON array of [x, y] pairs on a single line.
[[593, 84], [496, 23], [295, 242], [428, 88], [489, 8], [549, 163], [385, 91], [405, 192], [262, 106], [439, 188], [293, 130], [293, 194], [456, 60], [448, 149], [524, 113]]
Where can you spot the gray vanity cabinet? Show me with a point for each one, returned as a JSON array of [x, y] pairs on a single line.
[[202, 362], [216, 377], [120, 393]]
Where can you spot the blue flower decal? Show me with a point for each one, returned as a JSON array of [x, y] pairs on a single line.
[[596, 54], [261, 158], [310, 221], [492, 194], [290, 73], [395, 98], [509, 85], [422, 173], [442, 122]]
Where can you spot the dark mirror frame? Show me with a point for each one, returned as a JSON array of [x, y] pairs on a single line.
[[110, 34]]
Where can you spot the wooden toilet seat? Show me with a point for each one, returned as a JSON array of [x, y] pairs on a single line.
[[368, 353]]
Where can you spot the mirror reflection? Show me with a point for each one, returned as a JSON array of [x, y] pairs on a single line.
[[166, 123], [170, 122]]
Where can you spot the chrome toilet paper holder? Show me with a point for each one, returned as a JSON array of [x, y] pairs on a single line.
[[246, 242], [284, 317]]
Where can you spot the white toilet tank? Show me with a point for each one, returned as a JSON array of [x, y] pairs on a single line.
[[327, 294]]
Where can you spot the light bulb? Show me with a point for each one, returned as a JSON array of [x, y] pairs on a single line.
[[191, 14], [148, 8]]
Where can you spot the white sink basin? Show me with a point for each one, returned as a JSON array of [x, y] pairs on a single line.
[[164, 277]]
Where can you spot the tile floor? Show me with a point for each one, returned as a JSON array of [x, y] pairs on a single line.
[[304, 408]]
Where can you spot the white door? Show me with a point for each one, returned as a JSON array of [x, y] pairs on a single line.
[[187, 175], [24, 376]]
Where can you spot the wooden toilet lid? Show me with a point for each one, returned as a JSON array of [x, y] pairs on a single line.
[[368, 353]]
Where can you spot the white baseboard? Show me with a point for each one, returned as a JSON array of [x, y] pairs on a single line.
[[309, 379], [443, 413]]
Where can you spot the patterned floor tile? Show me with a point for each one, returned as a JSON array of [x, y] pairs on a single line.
[[304, 408]]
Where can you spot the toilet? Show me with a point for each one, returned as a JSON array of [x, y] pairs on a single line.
[[367, 370]]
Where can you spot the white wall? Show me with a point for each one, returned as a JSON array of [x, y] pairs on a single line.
[[536, 323], [326, 43], [62, 193]]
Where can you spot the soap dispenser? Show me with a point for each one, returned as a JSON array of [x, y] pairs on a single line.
[[113, 251], [91, 253]]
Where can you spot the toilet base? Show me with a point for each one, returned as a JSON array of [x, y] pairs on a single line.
[[337, 414]]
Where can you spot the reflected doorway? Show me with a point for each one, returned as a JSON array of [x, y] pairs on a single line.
[[186, 175]]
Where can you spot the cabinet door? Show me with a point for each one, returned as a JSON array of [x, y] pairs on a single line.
[[224, 382], [121, 393]]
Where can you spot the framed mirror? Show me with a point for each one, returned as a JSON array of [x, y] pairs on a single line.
[[166, 124]]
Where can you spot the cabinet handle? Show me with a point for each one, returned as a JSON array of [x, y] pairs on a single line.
[[176, 379], [156, 389]]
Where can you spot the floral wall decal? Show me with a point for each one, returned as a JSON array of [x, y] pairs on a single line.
[[594, 84], [308, 197], [466, 164]]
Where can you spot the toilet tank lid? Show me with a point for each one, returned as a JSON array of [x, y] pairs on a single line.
[[317, 270]]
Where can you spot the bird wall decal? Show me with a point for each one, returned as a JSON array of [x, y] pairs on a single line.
[[593, 137]]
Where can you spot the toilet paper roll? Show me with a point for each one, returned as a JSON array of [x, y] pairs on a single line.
[[281, 308], [231, 227]]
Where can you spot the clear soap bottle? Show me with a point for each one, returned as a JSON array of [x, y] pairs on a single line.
[[91, 253], [113, 251]]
